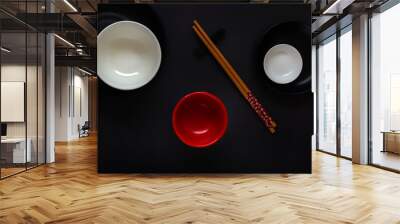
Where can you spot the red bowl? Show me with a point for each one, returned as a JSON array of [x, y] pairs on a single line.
[[200, 119]]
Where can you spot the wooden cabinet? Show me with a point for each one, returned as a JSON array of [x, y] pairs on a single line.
[[391, 142]]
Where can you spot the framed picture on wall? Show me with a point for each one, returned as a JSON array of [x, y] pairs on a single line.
[[12, 101]]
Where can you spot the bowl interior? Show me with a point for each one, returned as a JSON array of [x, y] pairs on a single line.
[[128, 55], [200, 119], [283, 63]]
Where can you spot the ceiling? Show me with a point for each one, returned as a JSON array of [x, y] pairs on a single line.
[[75, 21]]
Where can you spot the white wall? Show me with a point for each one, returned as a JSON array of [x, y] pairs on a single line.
[[80, 102], [16, 73], [12, 101], [71, 102], [12, 73], [62, 81]]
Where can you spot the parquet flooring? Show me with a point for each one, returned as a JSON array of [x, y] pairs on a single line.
[[10, 171], [71, 191]]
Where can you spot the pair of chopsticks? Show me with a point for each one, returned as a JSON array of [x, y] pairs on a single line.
[[234, 76]]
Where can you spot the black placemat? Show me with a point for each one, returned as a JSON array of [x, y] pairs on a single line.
[[135, 129]]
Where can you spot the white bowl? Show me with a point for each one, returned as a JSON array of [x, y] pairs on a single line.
[[128, 55], [283, 63]]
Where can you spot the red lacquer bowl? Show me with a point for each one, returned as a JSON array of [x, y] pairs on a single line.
[[200, 119]]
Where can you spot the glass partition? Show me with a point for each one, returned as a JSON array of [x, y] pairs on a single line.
[[14, 153], [22, 78]]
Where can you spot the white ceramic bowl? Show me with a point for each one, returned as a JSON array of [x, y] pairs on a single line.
[[128, 55], [283, 63]]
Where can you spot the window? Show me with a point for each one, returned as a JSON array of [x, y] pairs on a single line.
[[385, 89], [327, 96], [334, 106], [346, 93]]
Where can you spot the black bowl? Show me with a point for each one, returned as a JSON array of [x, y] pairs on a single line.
[[297, 35]]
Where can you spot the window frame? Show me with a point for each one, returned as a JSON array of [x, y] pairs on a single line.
[[334, 37]]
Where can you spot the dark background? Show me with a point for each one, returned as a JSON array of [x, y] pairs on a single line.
[[135, 129]]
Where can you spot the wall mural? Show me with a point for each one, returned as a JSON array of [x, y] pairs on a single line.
[[204, 88]]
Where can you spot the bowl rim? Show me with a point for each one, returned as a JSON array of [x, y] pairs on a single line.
[[220, 104], [154, 38], [287, 46]]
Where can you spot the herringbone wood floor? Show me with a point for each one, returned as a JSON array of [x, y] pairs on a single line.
[[70, 191]]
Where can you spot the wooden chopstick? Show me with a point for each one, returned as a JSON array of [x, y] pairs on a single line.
[[231, 71], [234, 76], [220, 61]]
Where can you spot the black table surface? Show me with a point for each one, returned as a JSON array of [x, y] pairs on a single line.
[[135, 127]]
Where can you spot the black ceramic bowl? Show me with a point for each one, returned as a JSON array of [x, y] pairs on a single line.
[[298, 36]]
